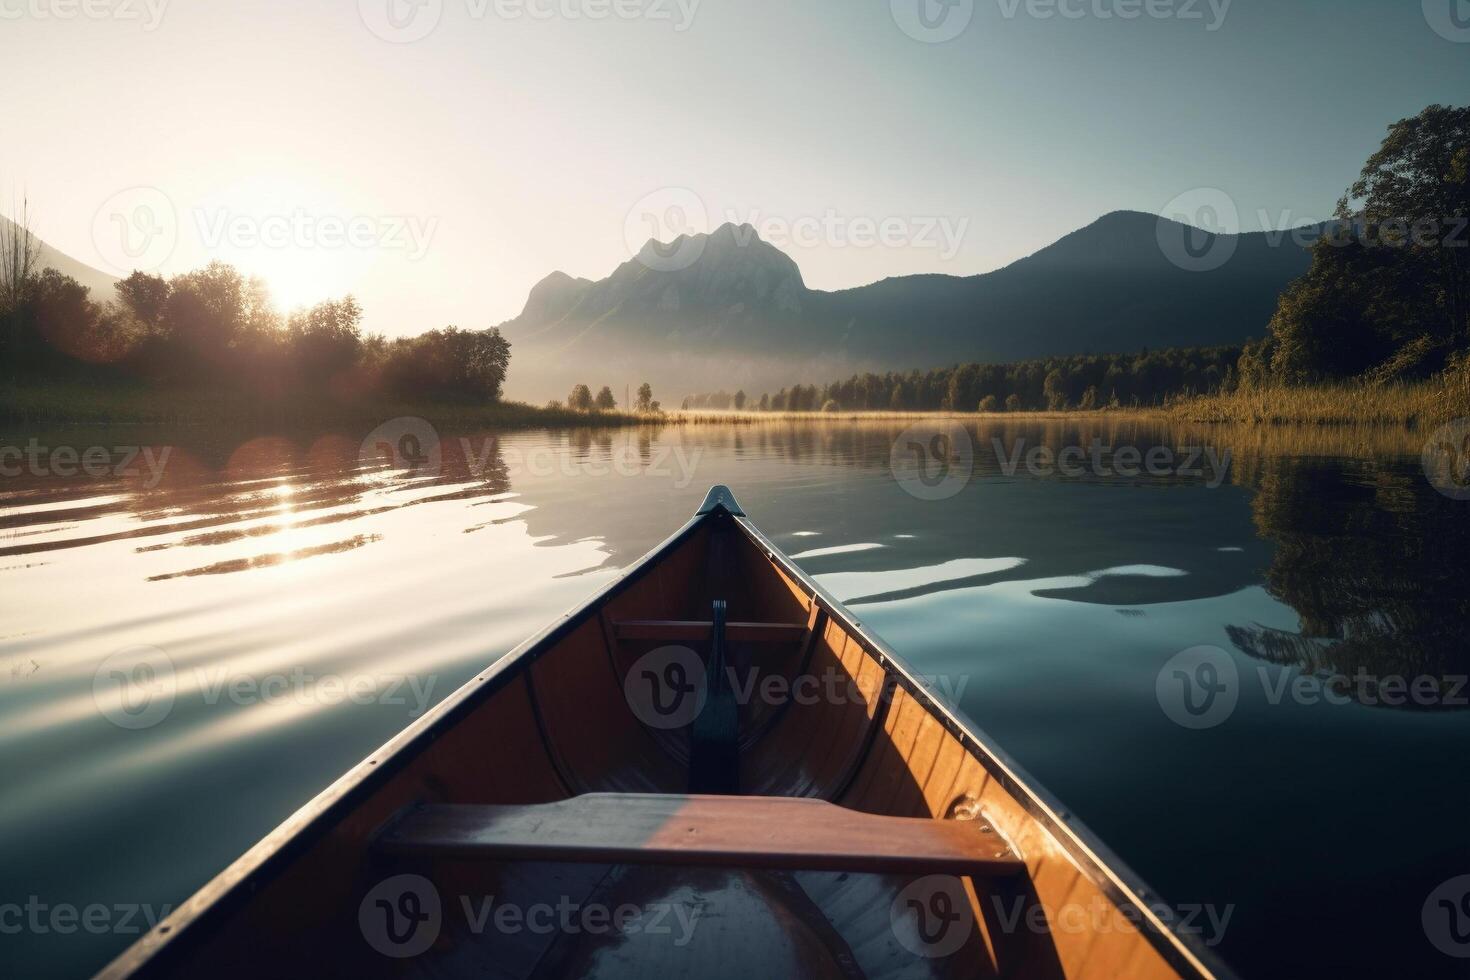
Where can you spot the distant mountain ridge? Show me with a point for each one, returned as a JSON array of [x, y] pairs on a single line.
[[728, 308], [103, 287]]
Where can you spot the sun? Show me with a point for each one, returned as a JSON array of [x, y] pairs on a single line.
[[291, 234]]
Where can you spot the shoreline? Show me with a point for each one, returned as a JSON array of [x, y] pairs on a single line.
[[1410, 407]]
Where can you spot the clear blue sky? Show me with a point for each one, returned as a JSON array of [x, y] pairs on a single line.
[[522, 144]]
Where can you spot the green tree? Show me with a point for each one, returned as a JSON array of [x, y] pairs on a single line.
[[1013, 402], [988, 403]]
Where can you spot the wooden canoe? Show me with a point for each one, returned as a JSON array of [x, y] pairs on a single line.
[[816, 812]]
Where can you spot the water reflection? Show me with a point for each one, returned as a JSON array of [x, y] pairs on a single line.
[[1058, 596]]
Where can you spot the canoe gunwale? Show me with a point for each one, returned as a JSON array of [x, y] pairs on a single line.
[[309, 824], [304, 828], [1116, 880]]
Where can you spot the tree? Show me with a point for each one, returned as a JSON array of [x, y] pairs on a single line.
[[739, 400], [144, 297], [580, 400], [1388, 290], [645, 397], [988, 403], [1089, 399], [1416, 189], [605, 401], [765, 403], [326, 339], [1013, 402], [830, 405], [20, 257]]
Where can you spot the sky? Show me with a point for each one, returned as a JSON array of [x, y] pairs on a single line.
[[437, 158]]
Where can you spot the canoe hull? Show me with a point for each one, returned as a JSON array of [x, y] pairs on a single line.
[[562, 716]]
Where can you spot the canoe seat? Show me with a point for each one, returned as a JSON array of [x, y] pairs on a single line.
[[775, 832], [700, 631]]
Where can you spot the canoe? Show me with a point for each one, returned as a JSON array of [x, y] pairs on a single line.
[[709, 769]]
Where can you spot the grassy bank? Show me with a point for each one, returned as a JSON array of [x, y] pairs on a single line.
[[1422, 404], [96, 405]]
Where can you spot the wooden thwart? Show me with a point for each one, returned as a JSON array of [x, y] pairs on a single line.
[[698, 631], [711, 831]]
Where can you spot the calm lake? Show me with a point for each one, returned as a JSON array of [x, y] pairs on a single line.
[[300, 603]]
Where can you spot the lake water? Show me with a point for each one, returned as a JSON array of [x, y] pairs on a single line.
[[284, 586]]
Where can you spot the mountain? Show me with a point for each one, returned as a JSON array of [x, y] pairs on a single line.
[[103, 286], [728, 309]]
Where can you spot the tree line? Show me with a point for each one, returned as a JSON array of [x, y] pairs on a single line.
[[1083, 381], [214, 328], [582, 400]]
